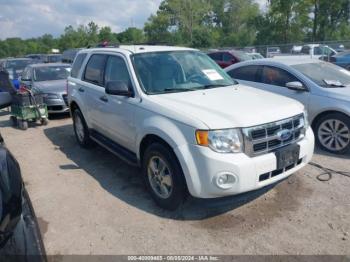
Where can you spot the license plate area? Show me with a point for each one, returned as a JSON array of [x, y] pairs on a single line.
[[287, 156]]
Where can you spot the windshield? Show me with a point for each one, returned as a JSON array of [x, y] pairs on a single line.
[[51, 73], [18, 64], [325, 74], [178, 71]]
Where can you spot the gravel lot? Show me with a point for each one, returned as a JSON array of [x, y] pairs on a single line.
[[90, 202]]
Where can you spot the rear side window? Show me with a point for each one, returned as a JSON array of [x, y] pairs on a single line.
[[216, 56], [247, 73], [226, 57], [95, 69], [77, 65]]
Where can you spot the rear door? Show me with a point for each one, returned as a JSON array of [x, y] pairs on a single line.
[[94, 91]]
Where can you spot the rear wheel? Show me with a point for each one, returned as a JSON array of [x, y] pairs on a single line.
[[163, 176], [80, 129], [44, 121], [13, 120], [333, 133]]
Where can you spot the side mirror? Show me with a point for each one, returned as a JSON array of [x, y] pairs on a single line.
[[118, 88], [296, 86], [5, 99]]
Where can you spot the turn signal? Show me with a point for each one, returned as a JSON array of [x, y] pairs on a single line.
[[202, 137]]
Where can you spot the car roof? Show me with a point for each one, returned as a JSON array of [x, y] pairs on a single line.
[[276, 61], [137, 49], [48, 65]]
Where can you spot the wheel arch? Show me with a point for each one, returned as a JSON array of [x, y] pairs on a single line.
[[324, 113]]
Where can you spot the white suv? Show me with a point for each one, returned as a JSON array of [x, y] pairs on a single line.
[[188, 125]]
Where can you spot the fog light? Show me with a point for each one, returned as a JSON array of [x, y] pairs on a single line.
[[225, 180]]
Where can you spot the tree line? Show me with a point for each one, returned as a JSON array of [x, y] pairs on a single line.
[[209, 23]]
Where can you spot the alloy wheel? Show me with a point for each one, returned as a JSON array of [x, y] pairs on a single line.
[[334, 135], [160, 177]]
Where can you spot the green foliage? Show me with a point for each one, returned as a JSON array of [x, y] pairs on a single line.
[[209, 23]]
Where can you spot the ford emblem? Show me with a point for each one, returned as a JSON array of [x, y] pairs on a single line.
[[284, 135]]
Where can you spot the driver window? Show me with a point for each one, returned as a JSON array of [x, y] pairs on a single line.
[[116, 70], [276, 76]]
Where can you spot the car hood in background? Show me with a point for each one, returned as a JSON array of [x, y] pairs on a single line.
[[229, 107], [56, 86]]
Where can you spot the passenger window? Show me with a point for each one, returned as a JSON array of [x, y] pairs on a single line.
[[247, 73], [227, 57], [77, 65], [116, 70], [276, 76], [94, 69]]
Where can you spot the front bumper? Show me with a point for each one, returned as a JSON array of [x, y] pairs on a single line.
[[201, 166], [57, 105]]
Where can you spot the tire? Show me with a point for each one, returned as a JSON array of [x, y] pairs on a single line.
[[14, 121], [44, 121], [167, 197], [23, 124], [333, 133], [81, 129]]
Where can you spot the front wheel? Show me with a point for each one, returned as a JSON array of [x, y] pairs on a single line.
[[163, 176], [333, 133]]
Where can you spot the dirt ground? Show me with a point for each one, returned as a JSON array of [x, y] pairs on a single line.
[[90, 202]]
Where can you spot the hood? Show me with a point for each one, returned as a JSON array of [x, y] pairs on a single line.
[[229, 107], [56, 86]]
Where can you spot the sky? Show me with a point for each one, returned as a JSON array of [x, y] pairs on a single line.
[[33, 18]]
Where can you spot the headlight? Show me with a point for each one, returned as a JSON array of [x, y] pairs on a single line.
[[51, 96], [306, 119], [221, 141]]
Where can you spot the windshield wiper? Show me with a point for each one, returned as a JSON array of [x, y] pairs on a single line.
[[212, 86], [179, 89]]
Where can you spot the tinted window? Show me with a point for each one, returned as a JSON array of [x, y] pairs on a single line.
[[116, 70], [247, 73], [216, 56], [227, 57], [276, 76], [77, 64], [94, 69]]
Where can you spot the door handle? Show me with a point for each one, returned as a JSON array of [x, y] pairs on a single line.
[[82, 90], [104, 99]]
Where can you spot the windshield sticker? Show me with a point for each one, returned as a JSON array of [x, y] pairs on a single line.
[[345, 71], [212, 74]]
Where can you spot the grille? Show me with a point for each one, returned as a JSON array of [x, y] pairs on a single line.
[[264, 138], [65, 99]]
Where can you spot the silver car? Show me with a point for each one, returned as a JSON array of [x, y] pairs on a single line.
[[322, 87], [50, 80]]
